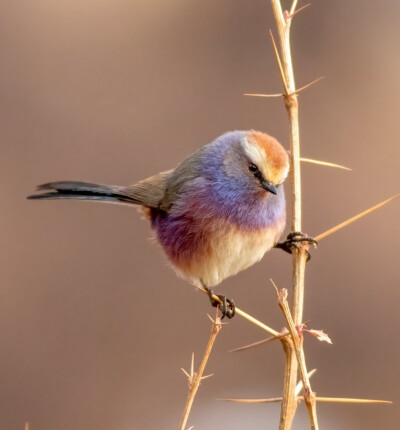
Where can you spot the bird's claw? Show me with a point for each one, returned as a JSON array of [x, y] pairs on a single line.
[[227, 306], [292, 241]]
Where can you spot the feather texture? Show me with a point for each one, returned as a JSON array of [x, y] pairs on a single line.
[[212, 214], [147, 193]]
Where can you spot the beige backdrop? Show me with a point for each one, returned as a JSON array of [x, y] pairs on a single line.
[[94, 327]]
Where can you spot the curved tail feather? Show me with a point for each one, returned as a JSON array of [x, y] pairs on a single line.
[[83, 191]]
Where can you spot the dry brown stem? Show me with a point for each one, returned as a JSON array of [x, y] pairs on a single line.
[[297, 339], [283, 20], [293, 345], [194, 378]]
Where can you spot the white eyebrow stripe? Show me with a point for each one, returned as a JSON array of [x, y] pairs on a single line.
[[257, 156], [254, 153]]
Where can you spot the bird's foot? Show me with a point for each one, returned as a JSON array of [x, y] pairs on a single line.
[[227, 306], [292, 241]]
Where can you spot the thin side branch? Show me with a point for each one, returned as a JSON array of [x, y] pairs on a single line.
[[293, 8], [194, 378], [270, 400], [246, 316], [287, 94], [299, 90], [292, 14], [254, 344], [264, 95], [354, 218], [347, 400], [318, 399], [323, 163]]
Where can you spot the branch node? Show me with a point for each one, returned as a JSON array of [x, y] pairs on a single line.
[[287, 16]]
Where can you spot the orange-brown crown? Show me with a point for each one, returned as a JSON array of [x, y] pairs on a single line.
[[269, 156]]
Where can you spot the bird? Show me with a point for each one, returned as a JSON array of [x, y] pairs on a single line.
[[217, 213]]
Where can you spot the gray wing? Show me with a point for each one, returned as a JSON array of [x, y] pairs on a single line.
[[150, 192], [177, 180], [159, 191]]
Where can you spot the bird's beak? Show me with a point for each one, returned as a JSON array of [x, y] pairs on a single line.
[[269, 187]]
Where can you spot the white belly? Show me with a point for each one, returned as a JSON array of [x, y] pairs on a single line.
[[229, 251]]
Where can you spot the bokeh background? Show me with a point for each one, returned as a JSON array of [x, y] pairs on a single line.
[[94, 327]]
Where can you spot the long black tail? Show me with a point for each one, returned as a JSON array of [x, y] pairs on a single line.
[[84, 191]]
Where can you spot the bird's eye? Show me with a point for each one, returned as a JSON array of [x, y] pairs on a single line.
[[253, 168], [256, 172]]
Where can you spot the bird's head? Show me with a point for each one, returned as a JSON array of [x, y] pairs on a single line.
[[258, 161]]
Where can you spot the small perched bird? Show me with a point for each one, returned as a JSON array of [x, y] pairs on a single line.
[[217, 213]]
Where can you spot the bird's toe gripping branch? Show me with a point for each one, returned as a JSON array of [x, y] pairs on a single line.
[[293, 240], [227, 306]]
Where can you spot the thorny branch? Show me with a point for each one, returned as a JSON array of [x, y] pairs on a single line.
[[297, 344], [283, 20], [194, 378]]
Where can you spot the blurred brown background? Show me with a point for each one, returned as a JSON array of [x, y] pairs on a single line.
[[94, 327]]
